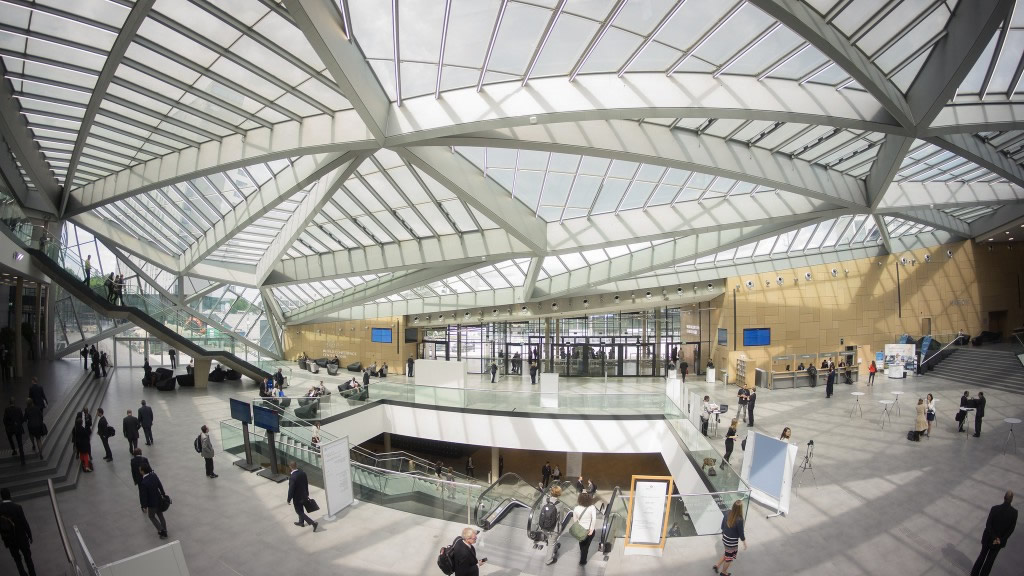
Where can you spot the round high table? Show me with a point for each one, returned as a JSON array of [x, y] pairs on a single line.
[[1011, 422], [886, 411], [896, 404], [856, 404]]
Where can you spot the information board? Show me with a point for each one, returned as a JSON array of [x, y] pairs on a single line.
[[649, 499], [337, 475], [240, 411]]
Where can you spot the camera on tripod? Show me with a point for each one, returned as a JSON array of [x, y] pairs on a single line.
[[810, 442]]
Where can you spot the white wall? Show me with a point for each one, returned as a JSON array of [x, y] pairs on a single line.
[[442, 373]]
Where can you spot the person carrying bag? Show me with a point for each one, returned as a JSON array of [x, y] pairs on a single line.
[[585, 523]]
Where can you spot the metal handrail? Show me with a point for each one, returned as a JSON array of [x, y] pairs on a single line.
[[925, 361], [609, 518], [85, 550], [65, 543]]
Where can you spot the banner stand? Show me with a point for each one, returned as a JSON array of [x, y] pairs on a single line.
[[647, 521], [247, 463], [768, 470], [337, 468]]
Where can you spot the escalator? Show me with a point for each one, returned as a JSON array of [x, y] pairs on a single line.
[[566, 502], [176, 326], [613, 524], [509, 493]]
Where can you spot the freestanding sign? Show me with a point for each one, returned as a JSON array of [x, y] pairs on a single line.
[[649, 499], [337, 475]]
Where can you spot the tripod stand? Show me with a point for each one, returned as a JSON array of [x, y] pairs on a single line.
[[808, 465]]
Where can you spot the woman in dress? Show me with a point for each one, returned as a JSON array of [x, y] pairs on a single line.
[[920, 422], [730, 440], [732, 534], [930, 413]]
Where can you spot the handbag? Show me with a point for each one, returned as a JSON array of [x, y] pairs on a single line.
[[165, 502], [45, 430], [577, 530], [310, 505]]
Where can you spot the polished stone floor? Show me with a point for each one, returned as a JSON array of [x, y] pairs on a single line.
[[880, 504]]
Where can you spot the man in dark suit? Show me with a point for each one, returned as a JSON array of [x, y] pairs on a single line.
[[151, 493], [137, 461], [173, 355], [298, 493], [101, 428], [965, 402], [366, 377], [130, 429], [14, 425], [19, 540], [545, 473], [146, 421], [979, 413], [36, 393], [464, 554], [408, 366], [1002, 519], [87, 417], [533, 373]]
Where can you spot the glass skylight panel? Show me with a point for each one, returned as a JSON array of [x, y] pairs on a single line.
[[474, 282], [493, 278], [553, 266], [512, 272]]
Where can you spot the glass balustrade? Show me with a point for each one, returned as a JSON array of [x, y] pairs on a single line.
[[509, 490]]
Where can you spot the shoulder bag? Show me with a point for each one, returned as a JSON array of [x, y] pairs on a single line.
[[165, 502], [577, 530]]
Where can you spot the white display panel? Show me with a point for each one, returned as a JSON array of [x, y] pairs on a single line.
[[648, 516], [337, 475], [549, 390], [768, 470], [440, 373], [167, 560]]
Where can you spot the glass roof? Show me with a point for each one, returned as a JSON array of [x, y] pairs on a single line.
[[297, 295]]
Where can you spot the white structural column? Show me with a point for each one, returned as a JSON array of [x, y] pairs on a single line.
[[340, 132], [635, 95], [305, 171], [450, 249], [883, 231], [631, 141], [138, 14], [805, 21], [488, 197], [310, 206], [655, 258], [968, 32], [322, 26]]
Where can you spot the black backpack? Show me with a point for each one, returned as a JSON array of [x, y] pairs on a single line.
[[446, 558], [548, 516], [198, 444]]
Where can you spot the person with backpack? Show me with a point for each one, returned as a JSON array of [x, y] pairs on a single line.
[[549, 525], [463, 554], [16, 533], [130, 429], [204, 446]]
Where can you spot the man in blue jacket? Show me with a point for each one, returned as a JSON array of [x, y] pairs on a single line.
[[151, 493]]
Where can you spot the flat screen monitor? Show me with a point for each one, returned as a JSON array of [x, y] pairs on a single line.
[[757, 336], [412, 335], [382, 335], [266, 418], [241, 411]]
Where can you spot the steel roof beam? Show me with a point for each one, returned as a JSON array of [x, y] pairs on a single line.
[[981, 153]]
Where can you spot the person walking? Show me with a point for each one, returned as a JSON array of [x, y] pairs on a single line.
[[37, 394], [464, 554], [36, 426], [750, 405], [146, 421], [88, 268], [298, 493], [494, 371], [979, 413], [14, 425], [930, 414], [130, 429], [1002, 519], [173, 355], [151, 496], [409, 366], [548, 523], [207, 451], [17, 536], [545, 473], [586, 515], [103, 429], [85, 358], [469, 466], [732, 534], [871, 373], [136, 465], [533, 373], [830, 382], [81, 437], [730, 441]]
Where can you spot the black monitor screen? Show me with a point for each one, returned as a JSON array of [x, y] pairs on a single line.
[[240, 411], [757, 336], [412, 335], [382, 335], [266, 418]]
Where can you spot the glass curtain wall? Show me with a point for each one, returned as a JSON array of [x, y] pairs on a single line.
[[619, 344]]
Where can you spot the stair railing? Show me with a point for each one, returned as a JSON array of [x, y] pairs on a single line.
[[941, 350], [69, 552]]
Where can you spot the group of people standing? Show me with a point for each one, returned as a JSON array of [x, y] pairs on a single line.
[[100, 361], [17, 420], [115, 288]]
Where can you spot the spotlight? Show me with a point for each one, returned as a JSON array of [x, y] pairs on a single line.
[[586, 302], [927, 257], [904, 260], [647, 294], [780, 280], [523, 309], [616, 298], [834, 272], [416, 319], [466, 315], [494, 312], [711, 287], [808, 276], [949, 253], [750, 284], [554, 305], [679, 291]]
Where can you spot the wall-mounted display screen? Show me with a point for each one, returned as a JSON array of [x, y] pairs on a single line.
[[240, 411], [412, 335], [382, 335], [757, 336], [723, 336], [266, 418]]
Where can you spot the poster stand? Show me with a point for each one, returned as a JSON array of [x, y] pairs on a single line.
[[247, 463], [768, 470], [647, 520], [335, 457]]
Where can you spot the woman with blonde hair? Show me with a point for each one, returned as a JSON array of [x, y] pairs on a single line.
[[920, 422], [732, 534]]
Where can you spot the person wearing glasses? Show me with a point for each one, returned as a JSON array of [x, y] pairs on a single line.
[[464, 554]]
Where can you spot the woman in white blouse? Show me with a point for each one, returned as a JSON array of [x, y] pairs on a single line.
[[930, 414], [586, 515]]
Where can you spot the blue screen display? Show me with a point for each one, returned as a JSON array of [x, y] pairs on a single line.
[[757, 336], [768, 465], [240, 411], [382, 335], [266, 418]]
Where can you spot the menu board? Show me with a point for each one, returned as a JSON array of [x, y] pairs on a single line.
[[648, 512]]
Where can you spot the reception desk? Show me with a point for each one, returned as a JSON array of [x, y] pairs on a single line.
[[794, 379]]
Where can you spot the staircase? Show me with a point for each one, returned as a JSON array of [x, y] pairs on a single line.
[[980, 368], [58, 461]]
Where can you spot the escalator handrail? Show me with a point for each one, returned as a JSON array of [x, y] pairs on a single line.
[[609, 517], [540, 499], [499, 512], [498, 482]]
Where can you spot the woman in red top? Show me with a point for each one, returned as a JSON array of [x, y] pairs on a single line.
[[871, 373]]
